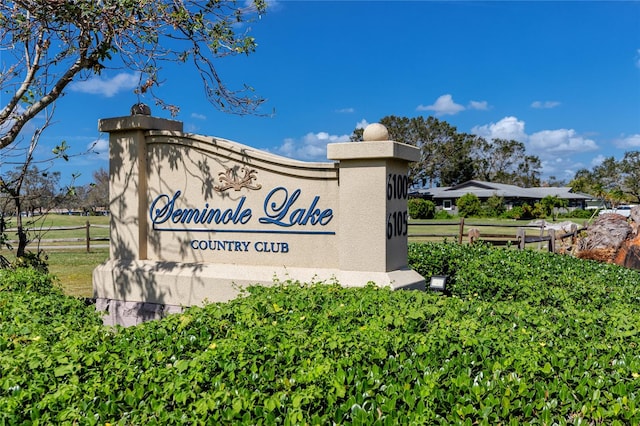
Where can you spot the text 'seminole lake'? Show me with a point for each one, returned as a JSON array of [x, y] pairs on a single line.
[[281, 208]]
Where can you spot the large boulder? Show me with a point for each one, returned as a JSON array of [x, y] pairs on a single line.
[[613, 238], [629, 254]]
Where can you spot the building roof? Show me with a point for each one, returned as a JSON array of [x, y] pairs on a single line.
[[487, 189]]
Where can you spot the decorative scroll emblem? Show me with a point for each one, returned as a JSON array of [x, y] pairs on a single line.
[[230, 178]]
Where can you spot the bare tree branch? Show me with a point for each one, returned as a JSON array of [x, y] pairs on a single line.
[[63, 41]]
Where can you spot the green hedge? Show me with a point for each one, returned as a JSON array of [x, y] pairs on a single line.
[[421, 209], [525, 337]]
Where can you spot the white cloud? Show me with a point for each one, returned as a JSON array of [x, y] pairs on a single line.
[[560, 141], [507, 128], [545, 104], [346, 111], [479, 105], [444, 105], [198, 116], [560, 168], [597, 160], [631, 141], [100, 147], [311, 147], [109, 87], [362, 124], [559, 150]]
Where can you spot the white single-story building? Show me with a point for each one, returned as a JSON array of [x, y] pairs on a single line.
[[445, 198]]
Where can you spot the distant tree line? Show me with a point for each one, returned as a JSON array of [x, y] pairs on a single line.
[[448, 157], [28, 193], [40, 192], [613, 181]]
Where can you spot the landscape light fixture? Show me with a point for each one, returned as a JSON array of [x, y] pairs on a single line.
[[438, 283]]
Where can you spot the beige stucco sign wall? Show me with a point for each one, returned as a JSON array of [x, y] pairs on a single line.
[[195, 218]]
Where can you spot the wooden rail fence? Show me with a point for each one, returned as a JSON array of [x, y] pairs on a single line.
[[72, 242], [554, 240], [469, 232]]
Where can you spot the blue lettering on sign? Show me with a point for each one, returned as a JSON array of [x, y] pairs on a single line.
[[278, 208], [271, 247], [242, 246], [220, 245], [163, 210]]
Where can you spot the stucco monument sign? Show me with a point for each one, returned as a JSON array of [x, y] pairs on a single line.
[[196, 218]]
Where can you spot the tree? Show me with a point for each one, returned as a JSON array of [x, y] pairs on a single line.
[[98, 191], [617, 196], [630, 167], [612, 181], [550, 203], [29, 190], [494, 206], [456, 164], [469, 205], [554, 181], [39, 191], [528, 173], [506, 161], [47, 44], [444, 153], [54, 42], [584, 181], [420, 208], [26, 179], [448, 157], [608, 174]]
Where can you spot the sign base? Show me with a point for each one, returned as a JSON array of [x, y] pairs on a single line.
[[187, 284]]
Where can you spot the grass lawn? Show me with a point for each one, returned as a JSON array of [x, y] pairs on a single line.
[[74, 269], [60, 220]]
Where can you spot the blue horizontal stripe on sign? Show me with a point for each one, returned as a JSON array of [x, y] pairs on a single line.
[[247, 231]]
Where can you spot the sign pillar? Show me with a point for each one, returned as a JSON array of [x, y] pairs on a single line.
[[373, 194], [128, 182]]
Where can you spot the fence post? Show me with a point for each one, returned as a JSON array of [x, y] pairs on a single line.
[[541, 234], [552, 240], [461, 231], [88, 237], [521, 235]]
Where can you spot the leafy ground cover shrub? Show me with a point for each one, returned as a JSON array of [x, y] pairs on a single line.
[[442, 215], [525, 337], [27, 280], [578, 214], [420, 208]]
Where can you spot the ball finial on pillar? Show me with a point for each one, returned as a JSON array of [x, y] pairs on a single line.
[[375, 132], [140, 109]]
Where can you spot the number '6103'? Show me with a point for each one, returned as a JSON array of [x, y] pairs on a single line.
[[397, 224]]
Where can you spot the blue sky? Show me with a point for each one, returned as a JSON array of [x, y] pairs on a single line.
[[562, 77]]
